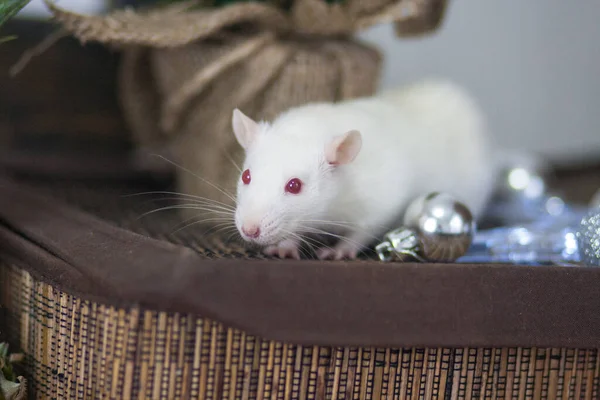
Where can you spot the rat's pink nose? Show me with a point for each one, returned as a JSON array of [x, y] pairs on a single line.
[[252, 231]]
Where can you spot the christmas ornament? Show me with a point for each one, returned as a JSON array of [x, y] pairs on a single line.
[[537, 243], [522, 197], [533, 226], [564, 240], [521, 193], [437, 228], [523, 178], [536, 225], [401, 244], [588, 238]]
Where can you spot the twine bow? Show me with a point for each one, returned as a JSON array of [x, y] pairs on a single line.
[[183, 23]]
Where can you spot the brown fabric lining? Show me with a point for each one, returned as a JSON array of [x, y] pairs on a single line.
[[73, 166], [308, 302]]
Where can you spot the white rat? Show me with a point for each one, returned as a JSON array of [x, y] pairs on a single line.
[[351, 168]]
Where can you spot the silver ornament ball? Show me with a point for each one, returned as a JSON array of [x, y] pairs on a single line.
[[588, 238], [445, 227], [522, 178], [401, 244]]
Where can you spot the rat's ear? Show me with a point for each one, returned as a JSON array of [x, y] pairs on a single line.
[[343, 149], [244, 127]]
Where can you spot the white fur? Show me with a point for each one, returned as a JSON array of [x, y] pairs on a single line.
[[423, 138]]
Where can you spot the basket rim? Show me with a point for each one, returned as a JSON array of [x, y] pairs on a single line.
[[359, 303]]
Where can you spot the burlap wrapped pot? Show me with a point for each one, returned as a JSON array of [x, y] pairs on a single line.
[[185, 69]]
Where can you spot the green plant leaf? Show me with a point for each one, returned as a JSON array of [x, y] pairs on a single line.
[[7, 39], [9, 8], [10, 390], [12, 387]]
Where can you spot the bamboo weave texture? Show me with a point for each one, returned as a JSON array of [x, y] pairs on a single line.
[[77, 349]]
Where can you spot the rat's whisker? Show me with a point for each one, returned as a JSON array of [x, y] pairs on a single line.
[[233, 162], [193, 202], [223, 232], [340, 237], [355, 228], [309, 241], [332, 223], [198, 208], [185, 206], [303, 253], [229, 195], [346, 224], [188, 224], [301, 239], [176, 194], [232, 230], [234, 233], [224, 215], [213, 207], [213, 223], [324, 232], [225, 227], [198, 199]]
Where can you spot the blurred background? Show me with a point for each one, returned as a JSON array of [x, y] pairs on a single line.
[[533, 66]]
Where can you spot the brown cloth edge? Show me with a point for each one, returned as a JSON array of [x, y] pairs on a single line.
[[307, 302]]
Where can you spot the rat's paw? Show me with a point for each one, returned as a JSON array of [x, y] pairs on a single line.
[[337, 253], [284, 249]]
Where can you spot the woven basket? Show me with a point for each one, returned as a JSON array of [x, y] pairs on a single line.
[[96, 318], [82, 349]]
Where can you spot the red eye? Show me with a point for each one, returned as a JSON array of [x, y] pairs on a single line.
[[246, 177], [294, 186]]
